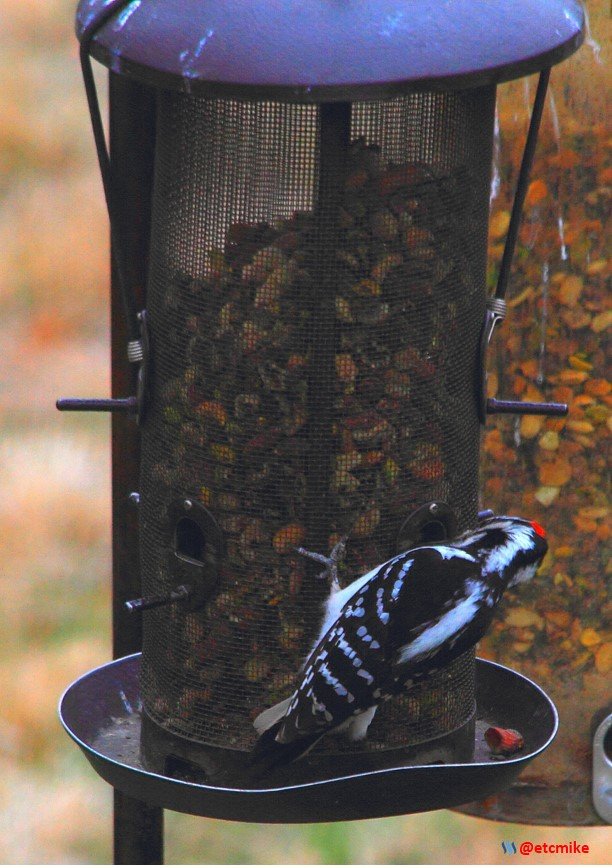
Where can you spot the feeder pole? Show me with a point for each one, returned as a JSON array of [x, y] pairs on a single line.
[[334, 139], [138, 827]]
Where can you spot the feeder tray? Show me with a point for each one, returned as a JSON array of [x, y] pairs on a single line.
[[101, 712]]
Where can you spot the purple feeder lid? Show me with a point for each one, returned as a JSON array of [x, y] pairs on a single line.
[[328, 50]]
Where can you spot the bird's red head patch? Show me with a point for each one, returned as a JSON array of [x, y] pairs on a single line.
[[538, 529]]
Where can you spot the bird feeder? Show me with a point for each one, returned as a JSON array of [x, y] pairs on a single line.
[[299, 201]]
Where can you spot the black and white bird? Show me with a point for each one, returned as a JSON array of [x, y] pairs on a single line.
[[394, 627]]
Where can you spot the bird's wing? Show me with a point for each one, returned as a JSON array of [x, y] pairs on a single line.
[[442, 609], [337, 685], [340, 678], [352, 667], [356, 663]]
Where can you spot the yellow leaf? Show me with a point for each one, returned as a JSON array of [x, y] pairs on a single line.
[[571, 289], [601, 321], [590, 637], [603, 658], [522, 617], [499, 224], [549, 441], [556, 472]]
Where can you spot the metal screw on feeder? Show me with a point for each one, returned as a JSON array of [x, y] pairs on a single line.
[[314, 357]]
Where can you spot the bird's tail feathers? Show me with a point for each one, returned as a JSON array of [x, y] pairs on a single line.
[[269, 754], [271, 716]]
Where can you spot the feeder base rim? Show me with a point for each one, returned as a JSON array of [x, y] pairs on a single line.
[[101, 711]]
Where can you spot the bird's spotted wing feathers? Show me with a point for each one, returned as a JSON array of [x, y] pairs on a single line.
[[397, 625], [356, 662]]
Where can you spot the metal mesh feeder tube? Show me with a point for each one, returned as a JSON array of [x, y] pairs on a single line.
[[315, 334], [310, 362]]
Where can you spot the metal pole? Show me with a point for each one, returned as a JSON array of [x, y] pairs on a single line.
[[138, 827], [334, 139], [522, 183]]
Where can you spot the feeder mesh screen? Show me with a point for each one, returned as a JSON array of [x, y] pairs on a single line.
[[316, 295]]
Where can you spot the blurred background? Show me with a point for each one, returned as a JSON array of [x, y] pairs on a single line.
[[55, 470]]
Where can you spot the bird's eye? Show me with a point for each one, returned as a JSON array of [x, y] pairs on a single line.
[[538, 529]]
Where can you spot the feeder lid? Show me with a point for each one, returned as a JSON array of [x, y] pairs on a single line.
[[328, 50]]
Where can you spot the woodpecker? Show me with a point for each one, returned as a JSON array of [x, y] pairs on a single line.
[[395, 627]]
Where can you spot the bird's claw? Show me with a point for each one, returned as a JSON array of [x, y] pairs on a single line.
[[330, 561]]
